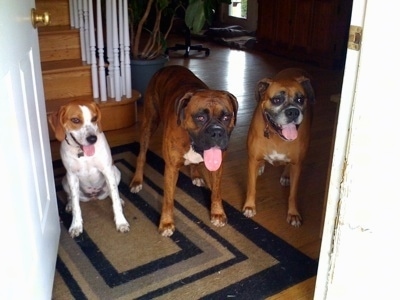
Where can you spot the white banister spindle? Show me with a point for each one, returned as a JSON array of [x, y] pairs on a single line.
[[81, 30], [86, 29], [75, 13], [110, 58], [126, 49], [92, 44], [121, 45], [76, 9], [71, 13], [115, 49], [100, 46], [118, 81]]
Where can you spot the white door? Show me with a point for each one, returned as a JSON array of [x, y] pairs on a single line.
[[359, 256], [29, 217]]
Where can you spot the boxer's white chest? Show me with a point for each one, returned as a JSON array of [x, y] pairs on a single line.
[[276, 158], [192, 157]]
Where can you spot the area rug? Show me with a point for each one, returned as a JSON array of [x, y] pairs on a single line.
[[241, 260]]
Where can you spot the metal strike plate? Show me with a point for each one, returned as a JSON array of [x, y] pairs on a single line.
[[355, 34]]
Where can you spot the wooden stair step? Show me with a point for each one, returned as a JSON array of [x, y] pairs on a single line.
[[59, 43], [115, 114], [66, 78], [49, 67], [58, 9]]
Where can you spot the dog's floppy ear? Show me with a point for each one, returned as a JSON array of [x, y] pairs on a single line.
[[180, 104], [235, 105], [305, 82], [55, 121], [262, 86], [95, 107]]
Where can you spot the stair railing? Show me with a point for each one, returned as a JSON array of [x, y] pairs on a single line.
[[111, 75]]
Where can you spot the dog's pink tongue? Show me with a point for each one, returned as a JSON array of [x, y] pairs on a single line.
[[213, 158], [289, 131], [88, 150]]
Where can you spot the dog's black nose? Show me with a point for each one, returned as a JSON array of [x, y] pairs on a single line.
[[216, 132], [292, 113], [91, 139]]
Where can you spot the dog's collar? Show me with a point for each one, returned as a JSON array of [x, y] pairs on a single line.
[[267, 130], [79, 146]]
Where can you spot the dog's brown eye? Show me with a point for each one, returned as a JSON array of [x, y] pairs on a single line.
[[94, 119], [75, 120], [225, 118], [277, 101], [200, 118], [300, 100]]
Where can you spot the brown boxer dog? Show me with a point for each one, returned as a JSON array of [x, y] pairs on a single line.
[[197, 123], [279, 133]]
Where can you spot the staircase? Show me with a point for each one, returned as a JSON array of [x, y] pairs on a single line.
[[66, 77]]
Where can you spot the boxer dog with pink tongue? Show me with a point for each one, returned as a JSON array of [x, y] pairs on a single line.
[[279, 134], [197, 124]]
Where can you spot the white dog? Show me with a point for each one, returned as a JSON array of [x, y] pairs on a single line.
[[87, 159]]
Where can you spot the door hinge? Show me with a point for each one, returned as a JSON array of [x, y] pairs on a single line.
[[354, 42]]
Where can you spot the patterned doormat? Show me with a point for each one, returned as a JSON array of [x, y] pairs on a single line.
[[241, 260]]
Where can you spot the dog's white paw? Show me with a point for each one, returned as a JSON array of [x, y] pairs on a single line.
[[294, 220], [198, 182], [124, 227], [285, 180], [68, 207], [261, 170], [166, 228], [167, 232], [75, 230], [137, 188], [249, 212], [219, 220], [121, 223]]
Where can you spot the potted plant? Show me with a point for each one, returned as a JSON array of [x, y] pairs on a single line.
[[150, 24], [146, 18]]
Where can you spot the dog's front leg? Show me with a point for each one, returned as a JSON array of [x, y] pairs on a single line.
[[218, 216], [253, 170], [167, 225], [76, 227], [119, 218], [293, 216]]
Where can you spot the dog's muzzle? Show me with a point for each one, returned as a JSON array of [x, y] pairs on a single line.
[[210, 143], [91, 139], [216, 133], [288, 131], [292, 114]]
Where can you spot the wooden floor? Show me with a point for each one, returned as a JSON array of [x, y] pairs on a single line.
[[238, 72]]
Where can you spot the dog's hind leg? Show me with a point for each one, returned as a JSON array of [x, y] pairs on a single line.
[[68, 206], [150, 123], [285, 177], [195, 175], [117, 175]]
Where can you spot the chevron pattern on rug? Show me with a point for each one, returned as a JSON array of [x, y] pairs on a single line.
[[242, 260]]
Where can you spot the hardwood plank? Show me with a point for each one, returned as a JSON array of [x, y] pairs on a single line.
[[301, 291]]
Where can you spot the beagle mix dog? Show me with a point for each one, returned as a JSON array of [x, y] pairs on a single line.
[[86, 155]]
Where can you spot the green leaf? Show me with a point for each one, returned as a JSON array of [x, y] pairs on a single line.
[[195, 17]]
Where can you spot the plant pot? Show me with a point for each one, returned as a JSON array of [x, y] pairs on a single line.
[[143, 70]]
